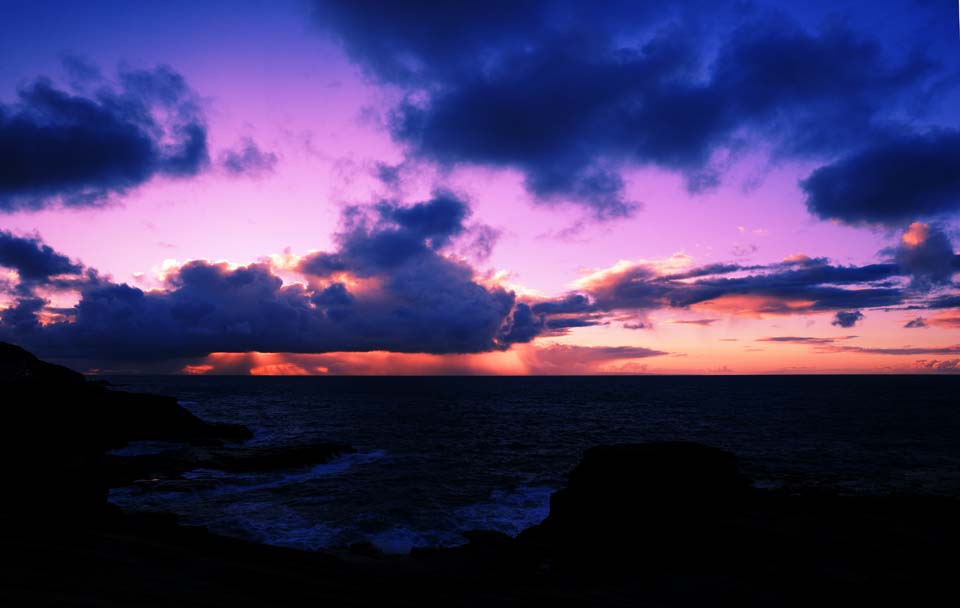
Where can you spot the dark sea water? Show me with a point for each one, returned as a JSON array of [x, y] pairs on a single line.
[[441, 455]]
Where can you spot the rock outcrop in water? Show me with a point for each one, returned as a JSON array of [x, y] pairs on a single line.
[[59, 427], [674, 499]]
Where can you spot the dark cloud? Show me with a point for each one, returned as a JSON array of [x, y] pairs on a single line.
[[803, 339], [916, 323], [892, 183], [917, 277], [700, 322], [775, 289], [926, 253], [913, 351], [388, 174], [32, 259], [481, 241], [937, 365], [392, 236], [571, 96], [847, 318], [246, 158], [431, 41], [939, 302], [22, 317], [77, 150], [387, 287], [572, 322], [524, 326], [572, 303]]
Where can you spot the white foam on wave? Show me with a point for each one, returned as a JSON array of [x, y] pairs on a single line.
[[509, 512], [250, 482], [400, 540], [260, 517]]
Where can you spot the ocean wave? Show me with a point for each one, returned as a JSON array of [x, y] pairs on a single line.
[[509, 512], [250, 482], [145, 448]]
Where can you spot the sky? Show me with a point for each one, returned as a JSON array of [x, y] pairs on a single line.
[[499, 187]]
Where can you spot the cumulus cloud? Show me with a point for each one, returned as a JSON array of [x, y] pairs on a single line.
[[22, 317], [387, 286], [572, 96], [63, 147], [33, 260], [246, 158], [926, 253]]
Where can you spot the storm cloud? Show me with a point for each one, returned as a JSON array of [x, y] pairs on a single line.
[[573, 97], [926, 254], [77, 149], [33, 260], [892, 183], [387, 287]]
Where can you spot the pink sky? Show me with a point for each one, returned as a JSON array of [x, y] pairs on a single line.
[[300, 96]]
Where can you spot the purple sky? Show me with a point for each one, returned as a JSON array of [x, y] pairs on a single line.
[[465, 170]]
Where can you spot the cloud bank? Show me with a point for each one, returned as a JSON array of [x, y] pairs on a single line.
[[574, 97], [387, 287]]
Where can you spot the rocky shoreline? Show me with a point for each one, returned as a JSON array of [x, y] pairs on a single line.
[[665, 524]]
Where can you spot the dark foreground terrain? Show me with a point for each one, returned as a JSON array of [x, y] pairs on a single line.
[[663, 524]]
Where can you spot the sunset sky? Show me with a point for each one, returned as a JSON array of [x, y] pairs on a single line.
[[545, 187]]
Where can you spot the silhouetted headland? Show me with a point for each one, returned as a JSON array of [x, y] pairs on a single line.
[[658, 524]]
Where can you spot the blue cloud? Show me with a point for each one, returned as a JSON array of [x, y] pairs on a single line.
[[58, 147]]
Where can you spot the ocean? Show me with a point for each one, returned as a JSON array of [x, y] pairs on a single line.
[[437, 456]]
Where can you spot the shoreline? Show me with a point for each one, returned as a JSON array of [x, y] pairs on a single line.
[[660, 524]]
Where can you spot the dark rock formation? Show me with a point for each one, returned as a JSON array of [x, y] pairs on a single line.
[[648, 484], [667, 524], [57, 428], [673, 499], [124, 470]]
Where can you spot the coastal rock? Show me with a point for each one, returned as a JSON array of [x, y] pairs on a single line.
[[124, 470], [652, 502], [644, 485], [18, 366], [57, 428], [63, 402], [127, 417]]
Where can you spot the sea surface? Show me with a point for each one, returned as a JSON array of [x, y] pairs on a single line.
[[437, 456]]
